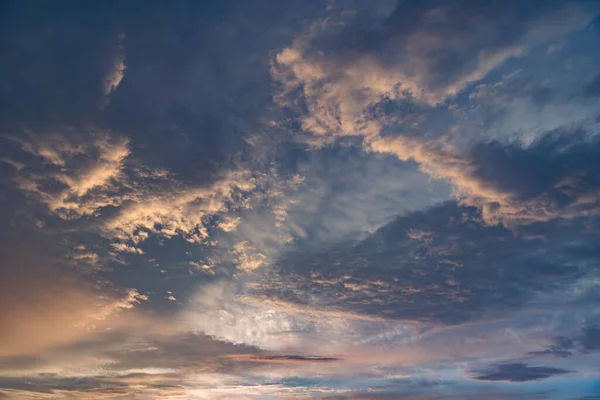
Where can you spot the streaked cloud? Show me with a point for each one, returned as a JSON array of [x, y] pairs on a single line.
[[517, 372]]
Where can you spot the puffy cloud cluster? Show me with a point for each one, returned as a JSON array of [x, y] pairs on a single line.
[[77, 177], [341, 73], [172, 210], [73, 176]]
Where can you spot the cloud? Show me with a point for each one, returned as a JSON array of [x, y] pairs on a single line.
[[393, 84], [517, 372], [345, 192], [554, 177], [141, 355], [592, 88], [218, 312], [185, 243], [75, 177], [229, 224], [464, 270], [173, 210], [341, 73], [117, 72], [282, 359], [587, 341], [125, 248], [64, 68], [248, 259], [230, 312]]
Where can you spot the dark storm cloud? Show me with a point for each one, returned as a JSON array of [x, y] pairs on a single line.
[[490, 26], [56, 57], [441, 265], [190, 81], [517, 372], [561, 168], [430, 50]]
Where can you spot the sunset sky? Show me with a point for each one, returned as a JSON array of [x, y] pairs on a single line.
[[293, 199]]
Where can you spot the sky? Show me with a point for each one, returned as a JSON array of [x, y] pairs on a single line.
[[329, 199]]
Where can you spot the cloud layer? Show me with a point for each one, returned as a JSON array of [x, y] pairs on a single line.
[[336, 200]]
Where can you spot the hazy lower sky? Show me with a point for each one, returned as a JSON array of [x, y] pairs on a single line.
[[262, 199]]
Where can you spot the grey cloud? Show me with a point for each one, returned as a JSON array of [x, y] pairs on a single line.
[[196, 190], [517, 372], [560, 167], [587, 341], [139, 361], [457, 37], [562, 347], [197, 83], [347, 192], [292, 358], [344, 71], [195, 86], [49, 383], [590, 338], [592, 88], [436, 265], [55, 66], [554, 177], [384, 396]]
